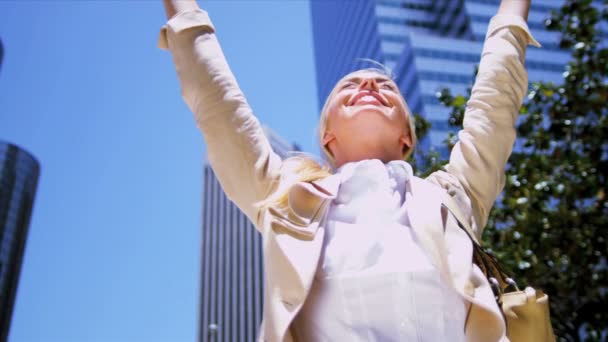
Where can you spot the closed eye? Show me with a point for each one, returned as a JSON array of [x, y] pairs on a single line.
[[388, 86], [348, 85]]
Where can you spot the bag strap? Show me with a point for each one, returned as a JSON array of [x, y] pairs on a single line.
[[488, 264], [449, 202]]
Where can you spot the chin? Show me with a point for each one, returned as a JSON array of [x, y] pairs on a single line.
[[367, 121], [370, 109]]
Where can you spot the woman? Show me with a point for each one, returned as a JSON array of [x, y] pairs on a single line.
[[362, 249]]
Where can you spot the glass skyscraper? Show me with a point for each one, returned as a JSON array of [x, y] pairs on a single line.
[[428, 44], [1, 53], [19, 172], [232, 276]]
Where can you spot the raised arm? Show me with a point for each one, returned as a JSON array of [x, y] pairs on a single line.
[[237, 148], [486, 140], [515, 7], [172, 7]]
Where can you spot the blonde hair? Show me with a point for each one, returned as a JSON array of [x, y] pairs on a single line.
[[304, 168]]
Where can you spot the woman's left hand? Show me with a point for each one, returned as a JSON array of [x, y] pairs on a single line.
[[515, 7]]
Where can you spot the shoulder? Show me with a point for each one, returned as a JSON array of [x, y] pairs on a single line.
[[450, 183], [442, 184], [452, 186]]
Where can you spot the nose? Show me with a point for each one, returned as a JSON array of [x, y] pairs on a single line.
[[369, 84]]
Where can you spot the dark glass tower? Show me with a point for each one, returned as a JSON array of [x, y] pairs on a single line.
[[18, 181], [1, 53], [232, 271]]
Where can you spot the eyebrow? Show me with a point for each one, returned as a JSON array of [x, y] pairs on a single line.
[[358, 79]]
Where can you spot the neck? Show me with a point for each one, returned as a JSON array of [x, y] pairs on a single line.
[[362, 151]]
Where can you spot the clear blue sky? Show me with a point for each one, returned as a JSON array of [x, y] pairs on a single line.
[[114, 242]]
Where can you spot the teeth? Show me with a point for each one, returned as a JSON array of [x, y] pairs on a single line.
[[368, 98]]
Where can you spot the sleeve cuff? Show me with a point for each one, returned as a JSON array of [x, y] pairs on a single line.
[[183, 21], [504, 20]]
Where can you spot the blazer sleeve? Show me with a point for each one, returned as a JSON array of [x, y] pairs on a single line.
[[477, 161], [237, 147]]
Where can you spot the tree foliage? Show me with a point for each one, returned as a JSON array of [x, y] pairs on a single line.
[[549, 226]]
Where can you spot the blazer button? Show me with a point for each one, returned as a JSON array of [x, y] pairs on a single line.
[[469, 289], [288, 304]]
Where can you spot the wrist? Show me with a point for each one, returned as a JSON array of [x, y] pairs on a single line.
[[515, 7], [173, 7]]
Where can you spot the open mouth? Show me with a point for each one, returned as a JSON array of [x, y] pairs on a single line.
[[367, 97]]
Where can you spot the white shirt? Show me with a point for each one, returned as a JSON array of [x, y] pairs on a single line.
[[374, 282]]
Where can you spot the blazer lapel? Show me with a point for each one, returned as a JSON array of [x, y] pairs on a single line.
[[485, 321], [329, 185], [424, 213], [298, 229], [306, 198], [307, 203]]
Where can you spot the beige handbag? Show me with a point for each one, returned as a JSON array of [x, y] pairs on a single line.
[[527, 315], [526, 312]]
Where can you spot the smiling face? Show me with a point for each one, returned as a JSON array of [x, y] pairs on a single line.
[[365, 117]]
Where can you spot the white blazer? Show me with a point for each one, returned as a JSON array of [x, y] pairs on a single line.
[[249, 171]]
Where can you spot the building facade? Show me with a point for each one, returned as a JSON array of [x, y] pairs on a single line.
[[19, 173], [232, 271], [428, 44], [1, 53]]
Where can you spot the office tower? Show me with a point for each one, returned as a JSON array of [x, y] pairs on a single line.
[[1, 53], [231, 295], [18, 181], [428, 44]]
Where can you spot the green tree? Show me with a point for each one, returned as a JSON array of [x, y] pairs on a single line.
[[549, 226]]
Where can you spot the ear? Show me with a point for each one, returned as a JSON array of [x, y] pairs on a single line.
[[328, 137], [406, 140]]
